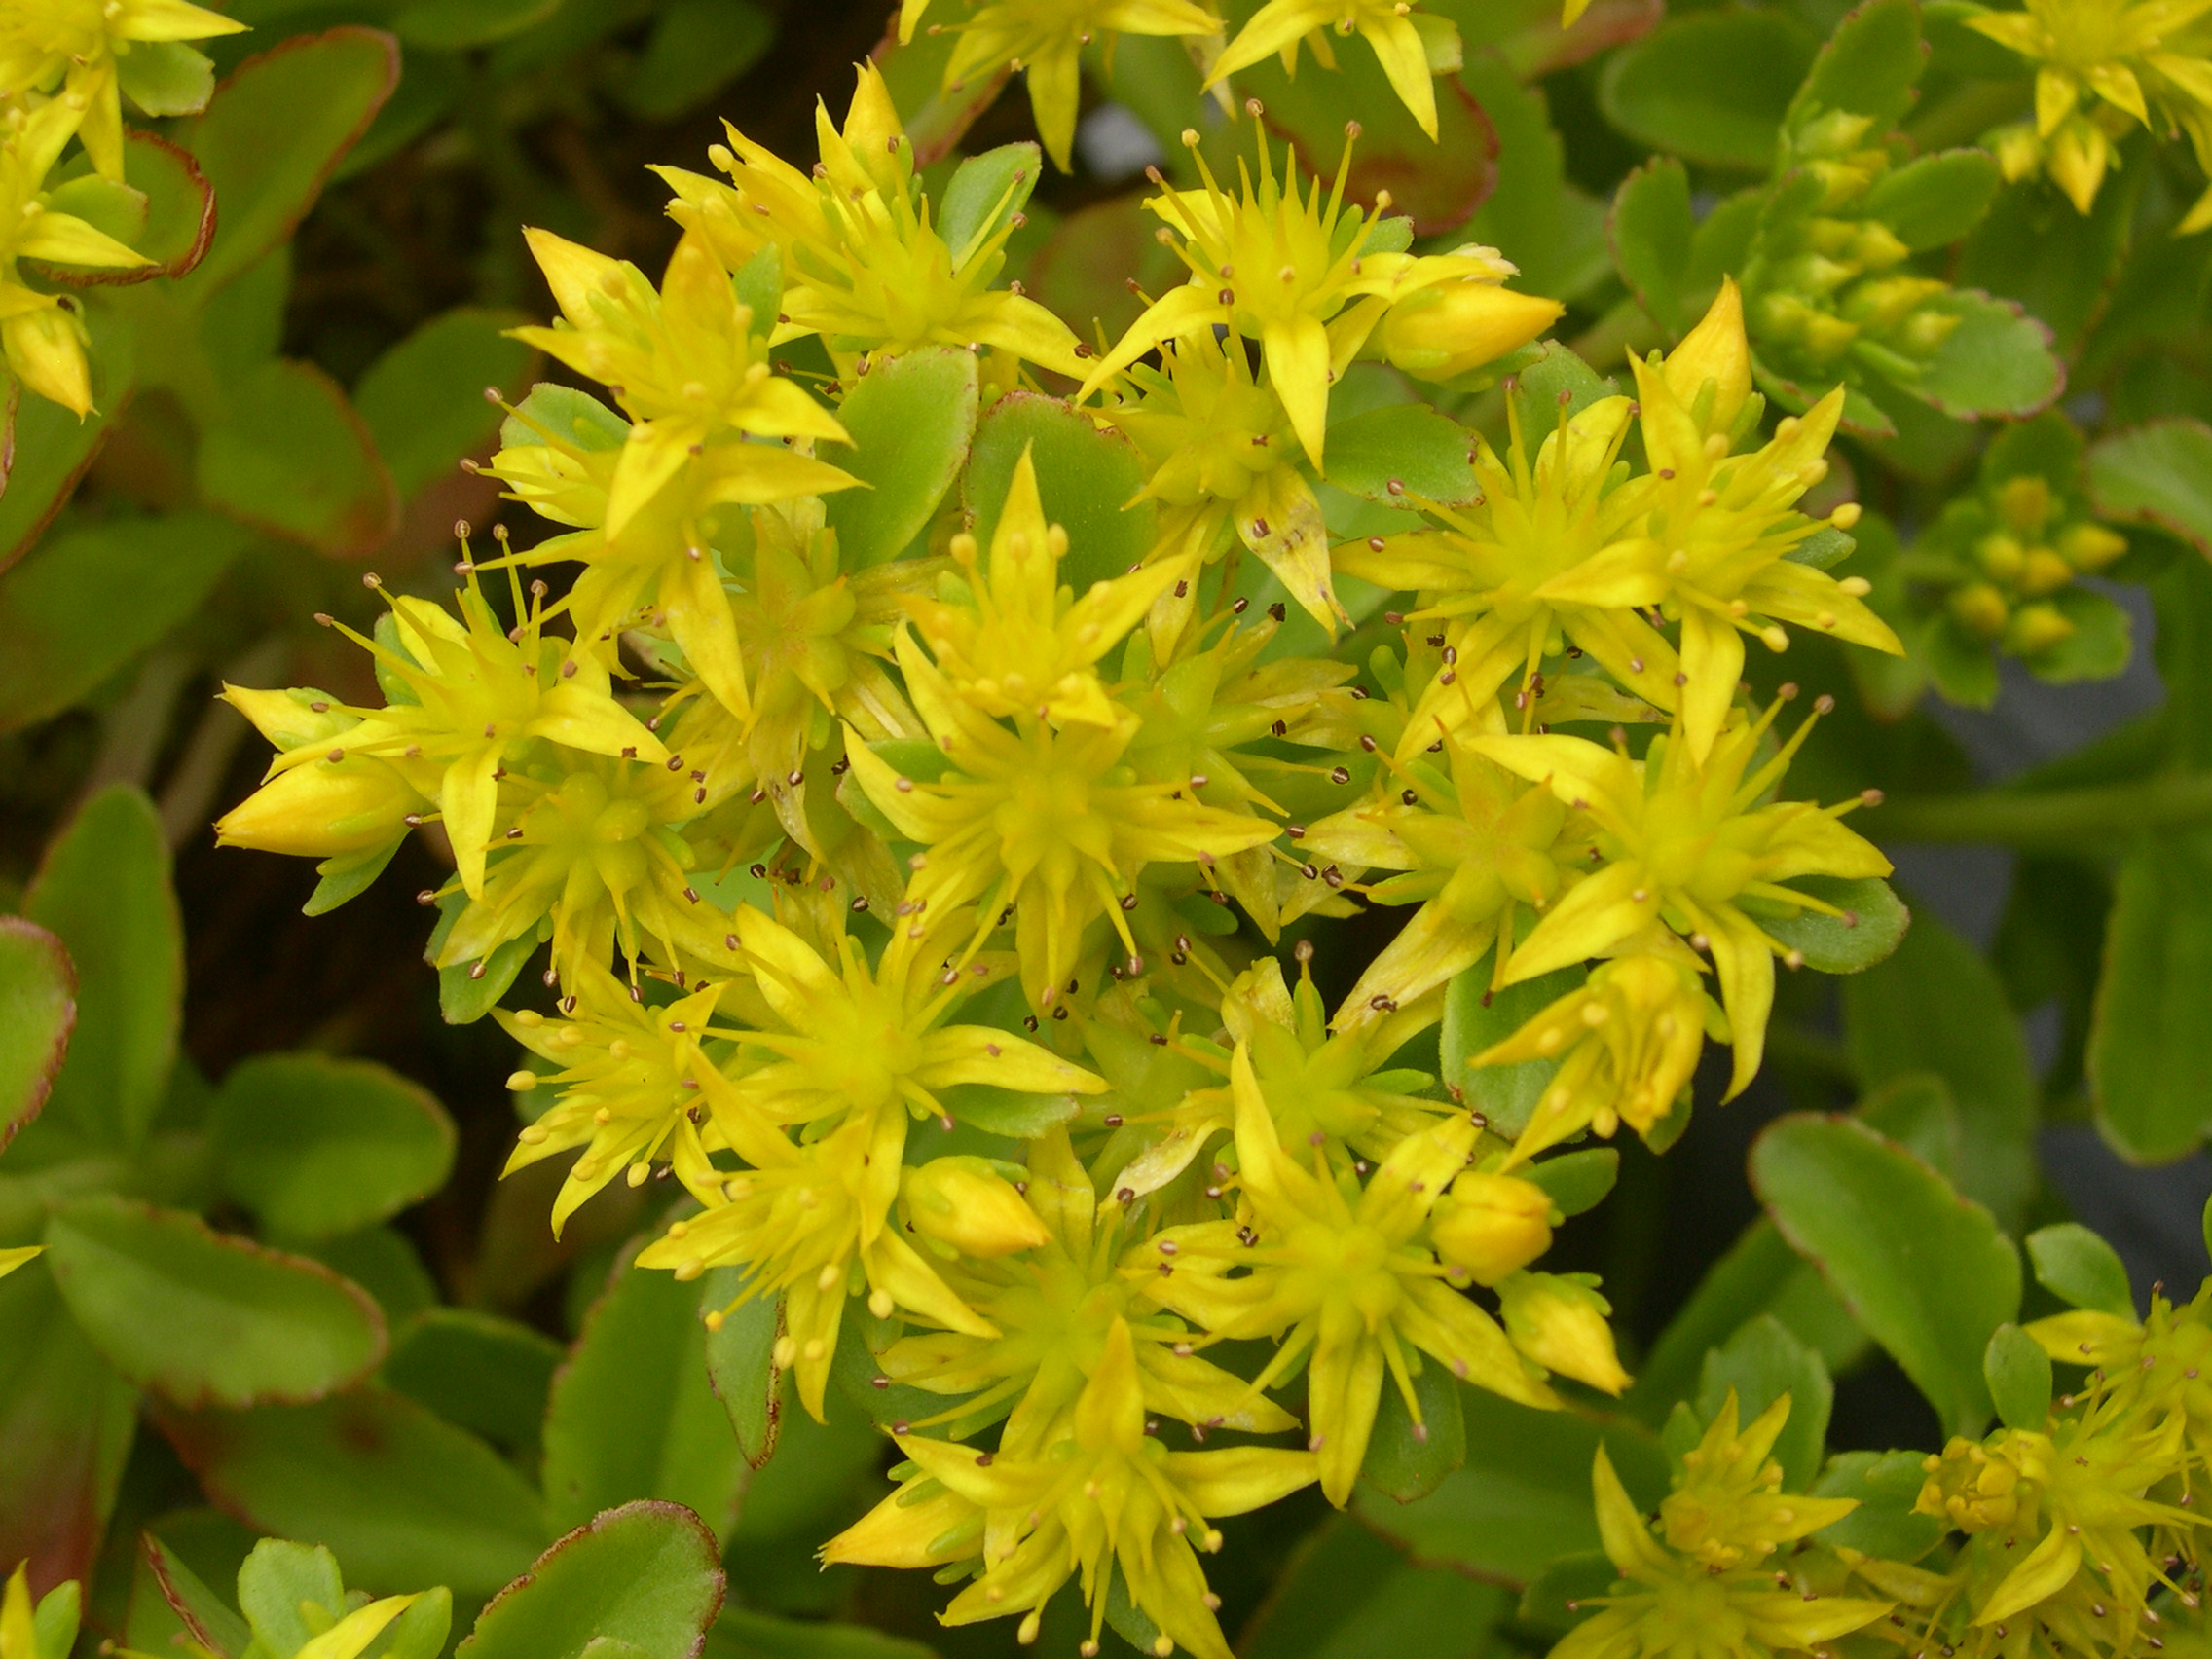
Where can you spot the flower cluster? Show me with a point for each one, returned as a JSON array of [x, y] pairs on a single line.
[[65, 66], [917, 912]]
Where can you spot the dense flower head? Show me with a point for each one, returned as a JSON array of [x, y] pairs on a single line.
[[80, 50]]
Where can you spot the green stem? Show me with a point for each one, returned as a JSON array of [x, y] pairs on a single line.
[[2055, 818]]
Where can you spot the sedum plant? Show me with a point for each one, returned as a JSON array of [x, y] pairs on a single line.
[[1079, 824]]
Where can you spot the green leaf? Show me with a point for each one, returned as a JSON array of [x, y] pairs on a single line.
[[2099, 648], [1996, 361], [1937, 1006], [1651, 230], [199, 1612], [1560, 379], [985, 192], [398, 1495], [44, 448], [2159, 474], [208, 1317], [38, 1007], [1925, 1271], [287, 1591], [275, 129], [1873, 921], [2034, 247], [1474, 1018], [448, 25], [1403, 451], [482, 1373], [104, 892], [314, 1147], [632, 1414], [383, 1263], [1523, 1499], [2080, 1268], [165, 77], [1346, 1594], [1562, 1596], [742, 1634], [823, 1475], [468, 991], [1933, 201], [1869, 65], [912, 418], [2150, 1037], [2017, 1372], [1085, 477], [1886, 1485], [647, 1574], [1007, 1111], [1557, 230], [741, 1362], [423, 401], [1576, 1181], [180, 203], [294, 458], [1710, 87], [1762, 1362], [697, 48], [66, 1424], [87, 603], [1408, 1460]]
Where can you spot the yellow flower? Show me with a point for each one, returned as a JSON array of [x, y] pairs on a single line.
[[76, 45], [1560, 550], [1011, 640], [1728, 1509], [963, 1206], [1681, 842], [352, 805], [628, 1077], [1043, 39], [1215, 436], [1337, 1273], [1410, 46], [479, 698], [1475, 848], [1491, 1225], [682, 362], [1678, 1604], [19, 1620], [1054, 1306], [1558, 1320], [1313, 1083], [1305, 276], [1045, 820], [40, 336], [1107, 1502], [2103, 65], [862, 265], [1627, 1041]]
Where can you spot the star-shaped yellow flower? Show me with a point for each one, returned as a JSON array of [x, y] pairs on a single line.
[[77, 45]]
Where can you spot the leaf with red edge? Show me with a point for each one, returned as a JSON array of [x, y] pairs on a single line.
[[204, 1316], [1436, 183], [47, 449], [38, 1010], [66, 1422], [296, 459], [397, 1494], [178, 222], [274, 130], [647, 1574]]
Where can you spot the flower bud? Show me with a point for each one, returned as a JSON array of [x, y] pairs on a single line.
[[2090, 546], [2024, 503], [2001, 555], [290, 720], [1979, 609], [2036, 628], [44, 343], [2018, 149], [1442, 332], [1714, 353], [2044, 572], [1491, 1225], [1559, 1321], [967, 1206], [322, 809]]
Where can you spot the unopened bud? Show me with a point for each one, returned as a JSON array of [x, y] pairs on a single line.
[[1444, 331], [1492, 1225], [1716, 351], [1559, 1321], [966, 1203]]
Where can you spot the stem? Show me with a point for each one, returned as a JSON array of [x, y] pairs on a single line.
[[2053, 819]]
